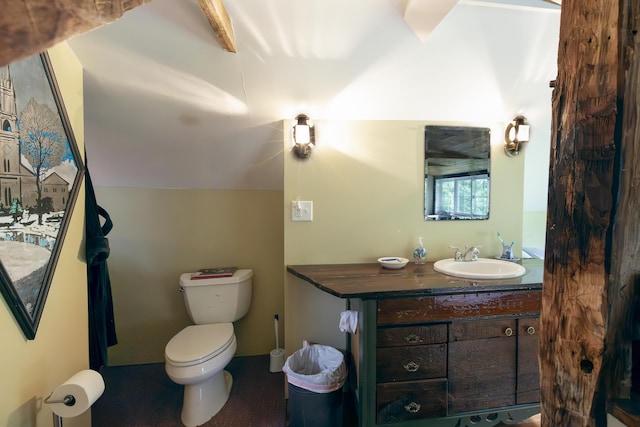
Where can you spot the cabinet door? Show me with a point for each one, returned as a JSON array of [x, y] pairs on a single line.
[[528, 368], [482, 365]]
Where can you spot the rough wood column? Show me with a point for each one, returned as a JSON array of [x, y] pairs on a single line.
[[625, 243], [592, 220]]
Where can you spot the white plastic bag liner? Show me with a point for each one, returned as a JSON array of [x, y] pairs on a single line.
[[317, 368]]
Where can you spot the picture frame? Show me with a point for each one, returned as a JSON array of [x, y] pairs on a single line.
[[41, 170]]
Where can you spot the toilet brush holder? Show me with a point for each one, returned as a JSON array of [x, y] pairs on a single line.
[[276, 361]]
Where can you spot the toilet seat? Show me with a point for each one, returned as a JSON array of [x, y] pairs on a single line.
[[198, 343]]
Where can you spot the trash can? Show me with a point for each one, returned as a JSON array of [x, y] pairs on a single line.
[[315, 376]]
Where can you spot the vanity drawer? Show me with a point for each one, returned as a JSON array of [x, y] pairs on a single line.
[[464, 331], [411, 363], [412, 335], [411, 400], [457, 306]]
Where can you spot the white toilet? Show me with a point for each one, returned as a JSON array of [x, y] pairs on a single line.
[[198, 354]]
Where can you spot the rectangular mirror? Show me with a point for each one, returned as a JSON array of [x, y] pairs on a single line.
[[456, 173]]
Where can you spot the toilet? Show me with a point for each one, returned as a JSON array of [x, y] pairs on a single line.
[[197, 355]]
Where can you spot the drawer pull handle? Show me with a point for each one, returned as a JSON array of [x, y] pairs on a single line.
[[412, 339], [411, 367], [531, 330], [508, 332], [412, 407]]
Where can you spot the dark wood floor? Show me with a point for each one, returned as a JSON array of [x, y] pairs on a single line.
[[143, 396]]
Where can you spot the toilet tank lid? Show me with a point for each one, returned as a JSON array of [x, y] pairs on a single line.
[[238, 276]]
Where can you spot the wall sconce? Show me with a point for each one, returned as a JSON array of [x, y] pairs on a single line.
[[516, 133], [304, 137]]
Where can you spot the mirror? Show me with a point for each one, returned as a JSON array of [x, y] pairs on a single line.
[[456, 173], [39, 182]]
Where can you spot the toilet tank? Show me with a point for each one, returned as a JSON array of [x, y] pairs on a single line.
[[217, 300]]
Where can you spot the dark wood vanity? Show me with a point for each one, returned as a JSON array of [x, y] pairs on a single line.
[[435, 350]]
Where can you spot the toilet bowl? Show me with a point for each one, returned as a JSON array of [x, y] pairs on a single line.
[[196, 358]]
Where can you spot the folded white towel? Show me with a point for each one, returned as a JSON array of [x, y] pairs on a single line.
[[349, 321]]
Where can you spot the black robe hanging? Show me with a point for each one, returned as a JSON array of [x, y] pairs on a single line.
[[102, 329]]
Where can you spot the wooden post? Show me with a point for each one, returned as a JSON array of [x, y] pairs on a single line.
[[625, 242], [592, 221]]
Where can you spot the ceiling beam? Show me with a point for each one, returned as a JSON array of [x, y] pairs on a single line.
[[28, 27], [424, 16], [219, 19]]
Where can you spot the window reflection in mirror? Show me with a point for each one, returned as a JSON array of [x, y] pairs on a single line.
[[457, 171]]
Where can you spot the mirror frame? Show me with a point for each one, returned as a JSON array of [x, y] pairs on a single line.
[[49, 161]]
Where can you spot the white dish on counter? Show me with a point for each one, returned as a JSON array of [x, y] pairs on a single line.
[[393, 262]]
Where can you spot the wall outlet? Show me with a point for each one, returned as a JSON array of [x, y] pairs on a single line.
[[301, 211]]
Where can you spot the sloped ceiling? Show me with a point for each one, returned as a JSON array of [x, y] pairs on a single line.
[[167, 107]]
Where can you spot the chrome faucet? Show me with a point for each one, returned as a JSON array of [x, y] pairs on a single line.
[[471, 253], [458, 254]]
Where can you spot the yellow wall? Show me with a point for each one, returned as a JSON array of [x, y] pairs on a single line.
[[534, 229], [366, 181], [160, 233], [30, 370]]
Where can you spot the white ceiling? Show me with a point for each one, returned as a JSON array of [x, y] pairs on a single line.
[[167, 107]]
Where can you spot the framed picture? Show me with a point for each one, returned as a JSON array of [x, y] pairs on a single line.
[[40, 175]]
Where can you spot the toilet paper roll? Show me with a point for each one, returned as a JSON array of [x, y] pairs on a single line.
[[85, 388]]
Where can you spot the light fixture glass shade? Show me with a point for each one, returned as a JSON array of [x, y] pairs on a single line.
[[302, 134], [512, 132], [523, 133], [303, 137], [516, 133]]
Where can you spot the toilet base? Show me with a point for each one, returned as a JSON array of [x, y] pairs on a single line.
[[202, 401]]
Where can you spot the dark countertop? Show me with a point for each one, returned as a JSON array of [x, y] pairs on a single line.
[[370, 281]]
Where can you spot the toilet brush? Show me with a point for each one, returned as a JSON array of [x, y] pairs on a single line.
[[275, 323], [276, 361]]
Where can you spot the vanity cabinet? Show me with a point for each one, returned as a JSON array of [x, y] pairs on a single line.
[[451, 355], [436, 351]]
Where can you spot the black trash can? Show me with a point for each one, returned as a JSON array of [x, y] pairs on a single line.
[[315, 376]]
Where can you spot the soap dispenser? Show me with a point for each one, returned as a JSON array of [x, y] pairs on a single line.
[[420, 253]]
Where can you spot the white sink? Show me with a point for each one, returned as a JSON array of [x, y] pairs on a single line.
[[483, 268]]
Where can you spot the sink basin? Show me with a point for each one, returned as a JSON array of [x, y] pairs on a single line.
[[483, 268]]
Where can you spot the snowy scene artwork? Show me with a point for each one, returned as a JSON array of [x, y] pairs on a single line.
[[40, 177]]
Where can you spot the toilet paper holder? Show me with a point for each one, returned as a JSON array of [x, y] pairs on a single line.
[[75, 396], [68, 400]]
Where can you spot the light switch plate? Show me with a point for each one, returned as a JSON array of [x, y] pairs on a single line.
[[301, 211]]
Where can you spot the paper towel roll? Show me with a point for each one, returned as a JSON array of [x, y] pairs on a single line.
[[85, 387]]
